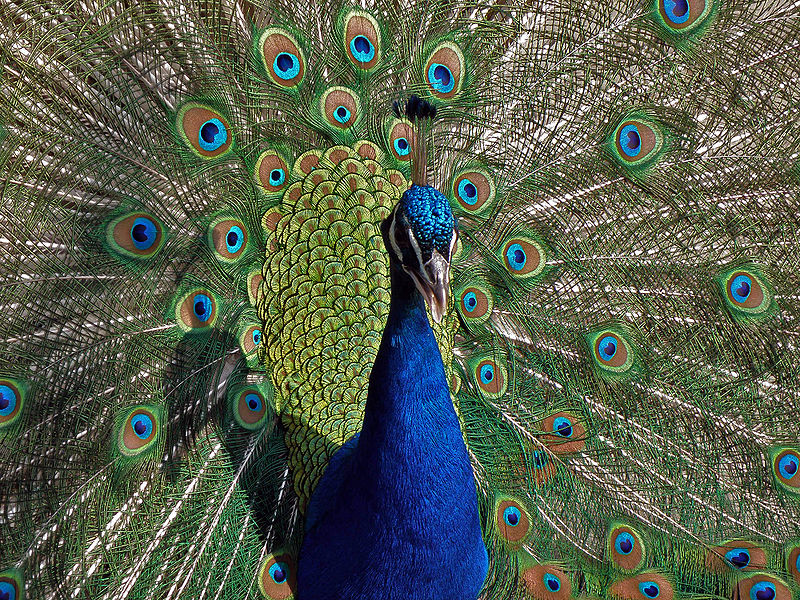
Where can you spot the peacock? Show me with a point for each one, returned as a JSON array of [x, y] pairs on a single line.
[[442, 299]]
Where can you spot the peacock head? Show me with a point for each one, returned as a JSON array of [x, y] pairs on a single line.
[[420, 235]]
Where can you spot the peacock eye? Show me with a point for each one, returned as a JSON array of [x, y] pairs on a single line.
[[513, 523], [279, 572], [787, 466], [249, 407], [470, 301], [286, 65], [624, 543], [282, 57], [277, 176], [8, 400], [138, 432], [253, 402], [444, 70], [276, 578], [142, 426], [441, 78], [539, 459], [552, 582], [763, 590], [740, 288], [683, 16], [487, 374], [229, 239], [9, 589], [256, 337], [341, 114], [136, 235], [512, 516], [562, 426], [516, 257], [361, 49], [11, 401], [637, 143], [738, 557], [271, 171], [401, 146], [144, 233], [607, 348], [202, 306], [630, 141], [467, 192], [523, 257], [400, 134], [677, 11], [649, 589], [475, 304], [362, 39], [490, 376], [340, 107], [212, 135], [747, 293]]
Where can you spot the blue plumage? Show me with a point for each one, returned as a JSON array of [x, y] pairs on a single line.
[[396, 514]]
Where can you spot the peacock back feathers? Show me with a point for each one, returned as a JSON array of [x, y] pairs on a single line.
[[194, 285]]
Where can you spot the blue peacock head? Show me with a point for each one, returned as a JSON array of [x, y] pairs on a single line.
[[420, 235]]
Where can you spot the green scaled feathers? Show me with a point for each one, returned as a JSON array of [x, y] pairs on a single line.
[[194, 285]]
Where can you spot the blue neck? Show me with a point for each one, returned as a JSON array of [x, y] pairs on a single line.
[[408, 409], [395, 516]]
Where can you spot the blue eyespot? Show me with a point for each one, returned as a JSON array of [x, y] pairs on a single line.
[[630, 140], [341, 114], [677, 11], [7, 591], [253, 402], [552, 582], [468, 192], [234, 239], [256, 336], [362, 49], [788, 465], [487, 374], [649, 589], [279, 572], [8, 400], [516, 257], [740, 288], [608, 348], [512, 516], [401, 146], [624, 543], [540, 459], [277, 177], [286, 65], [144, 233], [203, 307], [738, 557], [441, 78], [562, 426], [763, 590], [142, 426], [470, 301], [212, 135]]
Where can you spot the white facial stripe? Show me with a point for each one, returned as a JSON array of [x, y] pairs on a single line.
[[397, 252], [417, 250], [453, 241]]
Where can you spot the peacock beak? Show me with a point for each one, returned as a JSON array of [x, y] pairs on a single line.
[[433, 282]]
